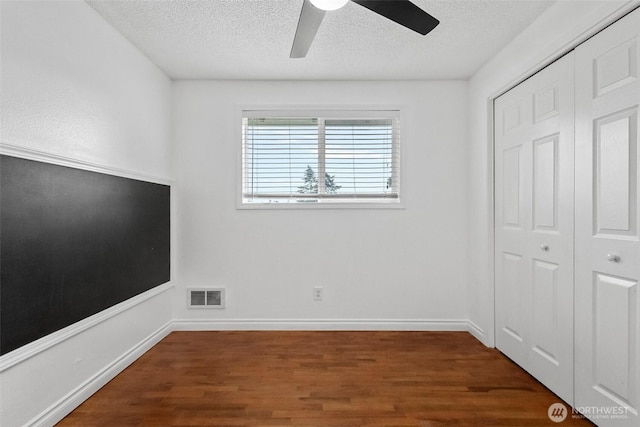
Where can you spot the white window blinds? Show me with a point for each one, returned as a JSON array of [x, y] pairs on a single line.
[[320, 159]]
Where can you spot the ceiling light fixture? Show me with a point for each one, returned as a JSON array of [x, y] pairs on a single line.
[[329, 4], [403, 12]]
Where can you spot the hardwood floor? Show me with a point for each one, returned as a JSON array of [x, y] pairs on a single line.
[[423, 379]]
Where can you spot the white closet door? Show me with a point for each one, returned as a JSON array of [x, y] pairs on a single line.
[[607, 267], [534, 225]]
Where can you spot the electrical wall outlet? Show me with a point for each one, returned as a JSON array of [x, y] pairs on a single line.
[[317, 293]]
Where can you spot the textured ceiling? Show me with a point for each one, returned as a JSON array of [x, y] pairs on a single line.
[[251, 39]]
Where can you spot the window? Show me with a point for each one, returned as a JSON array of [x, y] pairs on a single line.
[[331, 158]]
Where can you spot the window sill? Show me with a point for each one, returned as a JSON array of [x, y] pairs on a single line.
[[323, 205]]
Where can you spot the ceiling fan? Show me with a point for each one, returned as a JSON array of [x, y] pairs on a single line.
[[403, 12]]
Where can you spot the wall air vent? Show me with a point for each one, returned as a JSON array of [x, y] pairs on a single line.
[[205, 298]]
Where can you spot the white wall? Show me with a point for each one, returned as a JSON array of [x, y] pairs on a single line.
[[400, 269], [74, 88], [560, 28]]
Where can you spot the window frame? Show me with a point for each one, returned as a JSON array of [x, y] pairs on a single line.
[[331, 112]]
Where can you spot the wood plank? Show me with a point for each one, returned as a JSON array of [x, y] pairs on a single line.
[[240, 378]]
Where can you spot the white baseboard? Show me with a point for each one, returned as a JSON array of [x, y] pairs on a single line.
[[476, 331], [72, 400], [321, 325]]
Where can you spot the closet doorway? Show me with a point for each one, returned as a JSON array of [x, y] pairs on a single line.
[[567, 225]]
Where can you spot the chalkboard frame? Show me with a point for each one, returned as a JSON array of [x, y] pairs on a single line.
[[74, 242]]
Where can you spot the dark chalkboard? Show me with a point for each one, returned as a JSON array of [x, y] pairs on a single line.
[[73, 243]]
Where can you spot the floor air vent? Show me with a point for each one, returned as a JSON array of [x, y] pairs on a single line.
[[205, 298]]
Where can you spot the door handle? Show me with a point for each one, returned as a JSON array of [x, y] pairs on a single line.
[[613, 257], [544, 247]]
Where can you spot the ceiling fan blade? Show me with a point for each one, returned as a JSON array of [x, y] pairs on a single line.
[[308, 24], [403, 12]]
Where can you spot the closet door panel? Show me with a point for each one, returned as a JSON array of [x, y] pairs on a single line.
[[607, 265], [534, 225], [513, 218], [545, 184]]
